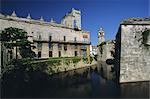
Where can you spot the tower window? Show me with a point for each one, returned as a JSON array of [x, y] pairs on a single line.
[[75, 24]]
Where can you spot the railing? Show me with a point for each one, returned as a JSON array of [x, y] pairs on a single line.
[[62, 41], [83, 47]]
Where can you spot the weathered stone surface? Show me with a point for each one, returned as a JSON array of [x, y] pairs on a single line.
[[134, 55], [105, 50]]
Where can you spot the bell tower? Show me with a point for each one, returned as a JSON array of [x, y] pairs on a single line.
[[101, 34]]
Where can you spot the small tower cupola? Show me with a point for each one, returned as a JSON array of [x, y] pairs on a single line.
[[13, 14], [101, 35]]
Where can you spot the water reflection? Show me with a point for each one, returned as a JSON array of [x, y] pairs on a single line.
[[83, 83]]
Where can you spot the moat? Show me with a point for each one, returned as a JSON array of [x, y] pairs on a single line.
[[79, 83]]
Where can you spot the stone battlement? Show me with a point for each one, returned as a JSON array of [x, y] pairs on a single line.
[[136, 21]]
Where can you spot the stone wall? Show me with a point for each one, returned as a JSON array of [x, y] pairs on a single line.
[[105, 50], [62, 64], [132, 56]]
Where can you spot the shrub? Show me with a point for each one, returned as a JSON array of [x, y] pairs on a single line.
[[76, 59]]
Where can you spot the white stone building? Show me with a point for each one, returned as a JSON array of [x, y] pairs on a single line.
[[65, 39]]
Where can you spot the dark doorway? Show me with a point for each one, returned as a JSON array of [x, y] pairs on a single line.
[[50, 54], [59, 53], [39, 54], [75, 53]]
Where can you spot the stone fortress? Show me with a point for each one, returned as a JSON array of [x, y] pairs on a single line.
[[131, 50], [65, 39]]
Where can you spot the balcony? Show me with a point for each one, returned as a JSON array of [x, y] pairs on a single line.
[[64, 42], [83, 47]]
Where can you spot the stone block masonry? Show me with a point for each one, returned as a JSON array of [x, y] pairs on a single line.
[[133, 50]]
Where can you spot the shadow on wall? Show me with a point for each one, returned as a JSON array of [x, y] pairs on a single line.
[[116, 61]]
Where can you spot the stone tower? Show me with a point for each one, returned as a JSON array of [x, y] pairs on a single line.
[[72, 19], [101, 36]]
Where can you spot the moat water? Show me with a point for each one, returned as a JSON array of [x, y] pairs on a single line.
[[80, 83]]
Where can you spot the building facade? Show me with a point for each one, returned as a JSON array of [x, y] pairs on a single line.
[[65, 39]]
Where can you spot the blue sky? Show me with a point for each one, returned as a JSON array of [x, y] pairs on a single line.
[[95, 13]]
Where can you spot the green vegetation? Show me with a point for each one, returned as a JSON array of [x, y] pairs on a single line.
[[12, 38], [66, 59], [76, 59], [145, 36]]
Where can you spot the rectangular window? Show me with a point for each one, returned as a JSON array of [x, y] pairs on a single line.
[[59, 53], [65, 47], [75, 24], [75, 53], [59, 47], [75, 39], [50, 38], [85, 36], [64, 38], [39, 45], [39, 54], [50, 46], [50, 54]]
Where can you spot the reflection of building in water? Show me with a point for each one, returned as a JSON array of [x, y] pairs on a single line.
[[65, 39], [131, 90]]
